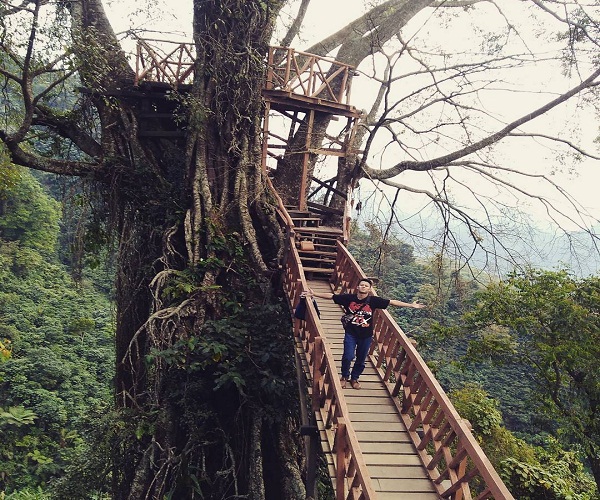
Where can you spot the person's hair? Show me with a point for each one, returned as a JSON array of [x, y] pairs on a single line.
[[366, 280]]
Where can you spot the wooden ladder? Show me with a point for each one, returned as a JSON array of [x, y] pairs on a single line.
[[316, 244]]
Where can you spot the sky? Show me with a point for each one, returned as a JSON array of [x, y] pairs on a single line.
[[504, 101]]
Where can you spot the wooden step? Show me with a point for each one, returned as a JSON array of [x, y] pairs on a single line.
[[328, 240], [321, 231], [299, 213], [307, 253], [323, 248], [306, 221], [324, 209], [317, 258], [320, 270]]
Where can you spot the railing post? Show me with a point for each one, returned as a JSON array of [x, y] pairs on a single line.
[[340, 460], [270, 69], [286, 80], [138, 56], [316, 373]]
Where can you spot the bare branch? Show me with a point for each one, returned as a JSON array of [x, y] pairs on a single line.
[[558, 139], [382, 22], [22, 7], [483, 143], [296, 25], [568, 21]]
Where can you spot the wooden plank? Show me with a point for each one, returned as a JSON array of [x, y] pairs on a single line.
[[368, 399], [396, 472], [320, 270], [374, 417], [376, 426], [388, 408], [391, 436], [405, 485], [387, 447], [389, 459], [407, 496]]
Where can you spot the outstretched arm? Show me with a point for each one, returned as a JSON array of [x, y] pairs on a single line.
[[399, 303]]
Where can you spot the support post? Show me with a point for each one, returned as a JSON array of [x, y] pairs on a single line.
[[305, 160]]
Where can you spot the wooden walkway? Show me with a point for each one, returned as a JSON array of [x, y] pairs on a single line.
[[394, 465]]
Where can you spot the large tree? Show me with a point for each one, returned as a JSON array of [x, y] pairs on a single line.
[[200, 322]]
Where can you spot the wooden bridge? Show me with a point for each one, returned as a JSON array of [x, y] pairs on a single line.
[[400, 436]]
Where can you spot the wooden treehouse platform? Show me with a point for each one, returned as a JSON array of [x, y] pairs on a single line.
[[399, 437]]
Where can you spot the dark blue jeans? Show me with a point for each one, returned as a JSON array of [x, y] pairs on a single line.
[[352, 345]]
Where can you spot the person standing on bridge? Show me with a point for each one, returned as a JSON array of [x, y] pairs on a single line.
[[358, 325]]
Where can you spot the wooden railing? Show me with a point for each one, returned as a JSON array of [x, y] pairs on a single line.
[[164, 61], [352, 478], [446, 446], [308, 75]]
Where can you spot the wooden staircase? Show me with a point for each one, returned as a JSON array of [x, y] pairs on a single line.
[[316, 244], [397, 438], [393, 462]]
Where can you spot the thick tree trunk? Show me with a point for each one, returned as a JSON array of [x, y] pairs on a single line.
[[186, 349], [203, 335]]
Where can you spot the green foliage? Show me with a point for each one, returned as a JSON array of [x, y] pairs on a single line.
[[243, 351], [28, 494], [560, 478], [17, 416], [549, 321], [481, 411], [529, 472], [30, 217], [9, 173], [58, 336], [5, 350]]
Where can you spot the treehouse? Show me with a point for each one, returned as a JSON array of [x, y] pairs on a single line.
[[399, 437]]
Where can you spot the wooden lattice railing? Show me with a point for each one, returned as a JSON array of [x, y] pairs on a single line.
[[352, 478], [452, 456], [164, 61], [297, 73], [308, 75]]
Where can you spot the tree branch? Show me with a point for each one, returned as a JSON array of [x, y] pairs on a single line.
[[68, 128], [63, 167], [296, 25], [479, 145]]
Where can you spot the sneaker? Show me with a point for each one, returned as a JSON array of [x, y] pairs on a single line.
[[355, 384], [343, 381]]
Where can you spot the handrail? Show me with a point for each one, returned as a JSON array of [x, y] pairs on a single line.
[[453, 458], [297, 73], [164, 62], [308, 75], [327, 394], [352, 477], [283, 213], [346, 219]]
